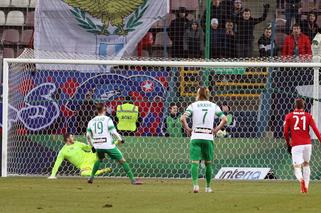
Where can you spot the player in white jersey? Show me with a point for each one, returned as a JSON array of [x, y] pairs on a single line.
[[202, 133], [100, 132]]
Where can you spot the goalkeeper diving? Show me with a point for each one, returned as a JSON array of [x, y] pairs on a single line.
[[78, 154]]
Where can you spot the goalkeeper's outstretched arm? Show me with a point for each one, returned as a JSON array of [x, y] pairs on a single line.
[[58, 162]]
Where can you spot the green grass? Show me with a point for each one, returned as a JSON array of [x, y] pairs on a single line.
[[117, 195]]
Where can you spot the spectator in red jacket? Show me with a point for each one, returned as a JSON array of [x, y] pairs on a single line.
[[296, 44]]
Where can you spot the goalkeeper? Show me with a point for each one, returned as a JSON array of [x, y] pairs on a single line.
[[79, 155]]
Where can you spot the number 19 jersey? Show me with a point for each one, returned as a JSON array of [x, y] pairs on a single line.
[[203, 114], [100, 128]]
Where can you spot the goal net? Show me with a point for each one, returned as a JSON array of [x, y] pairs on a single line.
[[44, 98]]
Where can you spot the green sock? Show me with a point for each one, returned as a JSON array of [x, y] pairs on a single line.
[[96, 167], [194, 170], [128, 171], [208, 174]]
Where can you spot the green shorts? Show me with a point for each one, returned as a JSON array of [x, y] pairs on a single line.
[[201, 150], [112, 153]]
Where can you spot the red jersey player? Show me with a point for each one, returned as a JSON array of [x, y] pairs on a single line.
[[296, 133]]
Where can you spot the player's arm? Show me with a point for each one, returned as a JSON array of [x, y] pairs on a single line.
[[223, 121], [183, 119], [286, 132], [89, 136], [315, 129], [85, 147], [58, 162], [113, 131]]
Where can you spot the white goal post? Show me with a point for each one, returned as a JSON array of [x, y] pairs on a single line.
[[316, 65]]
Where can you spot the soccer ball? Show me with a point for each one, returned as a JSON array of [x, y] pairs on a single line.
[[221, 133]]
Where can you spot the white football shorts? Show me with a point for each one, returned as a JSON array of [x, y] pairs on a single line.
[[301, 153]]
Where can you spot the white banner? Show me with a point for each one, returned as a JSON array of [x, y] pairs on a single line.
[[106, 28], [242, 173]]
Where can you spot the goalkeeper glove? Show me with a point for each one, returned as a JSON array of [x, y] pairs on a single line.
[[93, 149], [289, 149]]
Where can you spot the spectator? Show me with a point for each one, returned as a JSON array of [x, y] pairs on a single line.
[[217, 11], [291, 11], [296, 44], [245, 28], [310, 27], [173, 124], [176, 32], [280, 4], [194, 41], [237, 8], [228, 40], [127, 117], [216, 38], [85, 112], [230, 126], [266, 48]]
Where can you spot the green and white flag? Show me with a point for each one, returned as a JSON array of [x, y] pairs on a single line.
[[104, 28]]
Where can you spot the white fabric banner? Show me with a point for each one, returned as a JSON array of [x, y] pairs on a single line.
[[105, 29], [242, 173]]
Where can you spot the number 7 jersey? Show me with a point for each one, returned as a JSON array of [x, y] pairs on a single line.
[[298, 124], [203, 114]]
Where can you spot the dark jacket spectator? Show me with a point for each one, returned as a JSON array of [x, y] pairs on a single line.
[[228, 41], [176, 32], [266, 47], [218, 11], [194, 41], [296, 44], [310, 27], [216, 39], [245, 28], [237, 9], [292, 11]]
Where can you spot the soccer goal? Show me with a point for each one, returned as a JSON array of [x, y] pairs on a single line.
[[43, 98]]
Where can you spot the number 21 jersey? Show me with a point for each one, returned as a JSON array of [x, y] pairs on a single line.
[[298, 124]]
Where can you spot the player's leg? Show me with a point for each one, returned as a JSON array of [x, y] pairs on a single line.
[[297, 160], [208, 153], [195, 157], [101, 155], [87, 167], [87, 171], [306, 165], [117, 155]]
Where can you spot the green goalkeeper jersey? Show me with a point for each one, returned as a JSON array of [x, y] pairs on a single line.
[[78, 154]]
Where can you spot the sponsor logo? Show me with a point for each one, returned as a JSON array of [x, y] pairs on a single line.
[[240, 173]]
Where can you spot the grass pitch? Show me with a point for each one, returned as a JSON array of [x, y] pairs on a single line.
[[117, 195]]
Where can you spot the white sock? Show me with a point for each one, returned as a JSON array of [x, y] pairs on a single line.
[[298, 173], [306, 175]]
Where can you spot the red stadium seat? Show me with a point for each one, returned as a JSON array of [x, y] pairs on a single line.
[[8, 53], [26, 37], [10, 36], [30, 19]]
